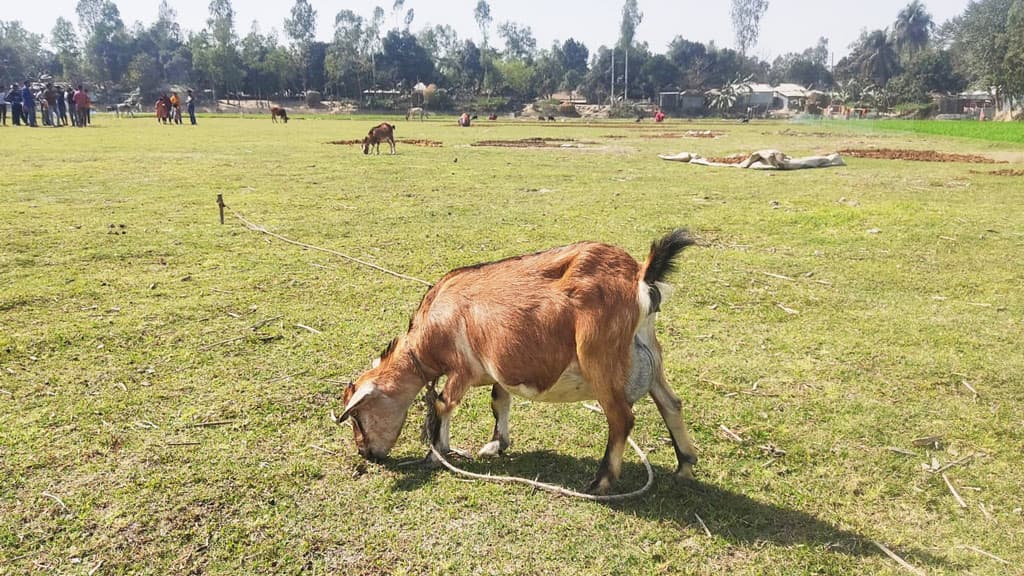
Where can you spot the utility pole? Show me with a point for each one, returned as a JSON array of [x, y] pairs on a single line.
[[611, 93]]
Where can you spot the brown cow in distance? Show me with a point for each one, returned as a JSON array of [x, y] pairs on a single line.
[[278, 112], [383, 132]]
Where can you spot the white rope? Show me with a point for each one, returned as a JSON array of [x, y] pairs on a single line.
[[263, 230], [551, 487]]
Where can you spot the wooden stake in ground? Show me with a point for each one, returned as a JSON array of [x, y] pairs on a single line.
[[900, 561], [956, 495], [220, 205], [703, 525]]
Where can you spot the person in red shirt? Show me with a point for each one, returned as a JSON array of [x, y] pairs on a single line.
[[82, 104]]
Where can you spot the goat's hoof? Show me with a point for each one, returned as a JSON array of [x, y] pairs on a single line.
[[431, 462], [490, 450], [600, 486], [685, 471]]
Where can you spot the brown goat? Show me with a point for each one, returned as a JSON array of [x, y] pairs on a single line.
[[563, 325], [278, 112], [380, 133]]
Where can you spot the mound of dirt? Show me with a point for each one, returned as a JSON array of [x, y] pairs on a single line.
[[916, 155], [1006, 172], [525, 143], [727, 159], [788, 132], [414, 142], [703, 134], [424, 143]]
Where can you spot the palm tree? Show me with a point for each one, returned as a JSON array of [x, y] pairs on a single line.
[[878, 60], [913, 28]]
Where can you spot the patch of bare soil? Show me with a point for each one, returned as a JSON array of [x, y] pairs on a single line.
[[1005, 172], [525, 143], [727, 159], [414, 142], [424, 143], [703, 134], [788, 132], [917, 155]]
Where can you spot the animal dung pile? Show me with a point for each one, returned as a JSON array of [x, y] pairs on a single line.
[[917, 155]]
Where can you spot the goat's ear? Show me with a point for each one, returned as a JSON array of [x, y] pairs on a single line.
[[362, 394]]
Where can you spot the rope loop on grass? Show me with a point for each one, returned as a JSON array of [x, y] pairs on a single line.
[[262, 230], [552, 487]]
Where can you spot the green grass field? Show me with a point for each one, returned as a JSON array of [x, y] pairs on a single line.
[[991, 131], [162, 411]]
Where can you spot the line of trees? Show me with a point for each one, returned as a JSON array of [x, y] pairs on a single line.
[[905, 62]]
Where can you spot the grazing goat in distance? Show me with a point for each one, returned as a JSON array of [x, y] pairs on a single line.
[[380, 133], [563, 325], [278, 112]]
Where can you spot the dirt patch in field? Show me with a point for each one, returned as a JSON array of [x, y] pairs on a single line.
[[526, 143], [424, 143], [727, 159], [788, 132], [703, 134], [917, 155], [1006, 172]]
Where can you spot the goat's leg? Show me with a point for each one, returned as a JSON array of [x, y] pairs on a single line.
[[501, 404], [444, 407], [391, 142], [607, 374], [670, 408]]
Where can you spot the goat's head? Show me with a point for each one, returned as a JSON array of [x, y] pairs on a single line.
[[378, 403], [366, 145]]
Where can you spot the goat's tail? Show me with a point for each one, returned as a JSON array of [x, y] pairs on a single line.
[[660, 262]]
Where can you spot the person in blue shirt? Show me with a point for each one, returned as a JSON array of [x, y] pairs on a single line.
[[14, 98], [191, 102], [28, 105]]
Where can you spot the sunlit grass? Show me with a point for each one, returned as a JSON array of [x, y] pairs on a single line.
[[179, 439]]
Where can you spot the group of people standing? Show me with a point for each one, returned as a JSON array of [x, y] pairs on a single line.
[[168, 108], [55, 105]]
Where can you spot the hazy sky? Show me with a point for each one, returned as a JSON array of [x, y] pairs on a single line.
[[788, 26]]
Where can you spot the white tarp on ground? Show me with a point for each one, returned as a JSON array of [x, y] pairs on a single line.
[[762, 160]]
